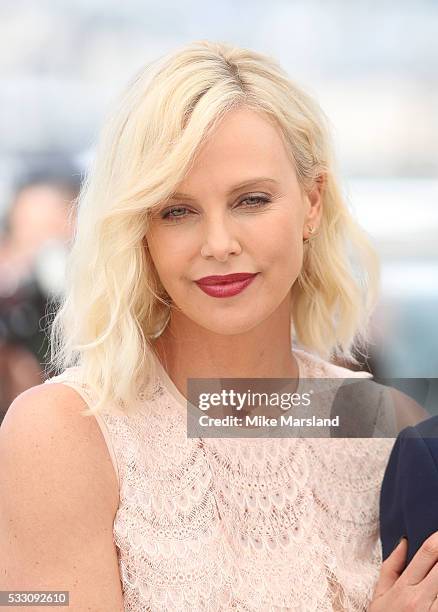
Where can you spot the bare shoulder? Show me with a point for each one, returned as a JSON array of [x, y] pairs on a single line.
[[58, 498], [46, 422]]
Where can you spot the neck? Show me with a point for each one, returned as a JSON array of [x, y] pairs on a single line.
[[187, 350]]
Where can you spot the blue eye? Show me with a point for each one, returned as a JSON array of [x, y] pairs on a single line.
[[257, 201], [182, 212], [167, 214]]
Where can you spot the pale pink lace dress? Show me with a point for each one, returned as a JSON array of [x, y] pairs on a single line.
[[241, 524]]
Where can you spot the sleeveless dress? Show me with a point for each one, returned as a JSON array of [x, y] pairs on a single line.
[[253, 525]]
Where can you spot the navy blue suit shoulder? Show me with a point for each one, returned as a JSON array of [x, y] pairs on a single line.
[[409, 493]]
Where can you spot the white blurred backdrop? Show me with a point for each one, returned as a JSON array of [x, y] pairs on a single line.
[[372, 66]]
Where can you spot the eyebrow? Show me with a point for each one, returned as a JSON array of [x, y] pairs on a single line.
[[248, 183]]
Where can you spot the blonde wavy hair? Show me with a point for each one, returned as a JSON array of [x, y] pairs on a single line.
[[114, 304]]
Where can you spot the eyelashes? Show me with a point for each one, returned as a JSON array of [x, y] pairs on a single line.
[[255, 202]]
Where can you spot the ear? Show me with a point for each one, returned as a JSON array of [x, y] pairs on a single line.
[[314, 199]]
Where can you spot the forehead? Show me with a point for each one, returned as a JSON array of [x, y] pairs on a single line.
[[244, 144]]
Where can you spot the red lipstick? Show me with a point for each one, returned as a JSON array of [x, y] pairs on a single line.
[[226, 285]]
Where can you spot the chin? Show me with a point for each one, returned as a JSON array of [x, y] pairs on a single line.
[[227, 325]]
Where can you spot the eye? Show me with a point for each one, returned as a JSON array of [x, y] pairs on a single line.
[[177, 213], [179, 210], [255, 201]]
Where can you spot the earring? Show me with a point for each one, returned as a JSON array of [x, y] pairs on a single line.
[[311, 230]]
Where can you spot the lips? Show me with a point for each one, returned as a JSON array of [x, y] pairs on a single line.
[[224, 279], [225, 286]]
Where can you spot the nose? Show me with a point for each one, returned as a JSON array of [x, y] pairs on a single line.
[[220, 240]]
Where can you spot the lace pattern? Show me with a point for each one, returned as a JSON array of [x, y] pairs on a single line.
[[243, 524]]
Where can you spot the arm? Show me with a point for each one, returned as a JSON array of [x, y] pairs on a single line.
[[58, 498]]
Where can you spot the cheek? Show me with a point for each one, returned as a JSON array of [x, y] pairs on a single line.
[[283, 243], [170, 258]]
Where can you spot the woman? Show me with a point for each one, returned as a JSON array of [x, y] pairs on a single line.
[[215, 164]]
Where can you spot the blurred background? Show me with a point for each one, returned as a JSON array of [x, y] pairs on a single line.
[[372, 66]]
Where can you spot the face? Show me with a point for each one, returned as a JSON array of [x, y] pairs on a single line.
[[240, 209]]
